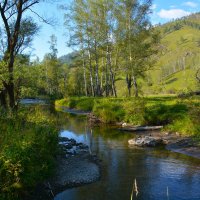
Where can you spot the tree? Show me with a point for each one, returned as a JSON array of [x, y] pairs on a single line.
[[137, 40], [52, 69], [16, 35], [112, 37]]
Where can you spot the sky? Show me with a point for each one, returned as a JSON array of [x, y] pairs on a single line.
[[162, 12]]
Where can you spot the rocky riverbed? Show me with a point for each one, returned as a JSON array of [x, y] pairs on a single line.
[[76, 166]]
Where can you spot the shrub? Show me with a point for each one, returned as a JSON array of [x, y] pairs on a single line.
[[85, 104], [134, 111], [27, 151], [164, 114], [108, 110]]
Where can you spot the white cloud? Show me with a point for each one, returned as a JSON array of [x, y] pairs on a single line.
[[154, 6], [190, 4], [173, 13]]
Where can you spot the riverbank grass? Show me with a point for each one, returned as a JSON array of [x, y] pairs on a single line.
[[176, 114], [28, 146]]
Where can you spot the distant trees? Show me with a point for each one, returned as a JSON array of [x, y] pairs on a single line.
[[179, 24], [115, 38], [52, 68]]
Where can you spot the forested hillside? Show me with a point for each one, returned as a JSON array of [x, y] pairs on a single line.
[[177, 60]]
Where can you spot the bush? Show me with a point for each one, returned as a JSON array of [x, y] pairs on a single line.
[[85, 104], [27, 151], [108, 110], [161, 114], [134, 111]]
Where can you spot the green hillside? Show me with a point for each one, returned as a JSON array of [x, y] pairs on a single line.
[[178, 59]]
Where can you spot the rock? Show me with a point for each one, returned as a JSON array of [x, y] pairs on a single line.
[[68, 146], [124, 124], [82, 146], [146, 141], [64, 140], [72, 148], [177, 134], [71, 151]]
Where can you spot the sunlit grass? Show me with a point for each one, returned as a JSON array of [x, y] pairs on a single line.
[[177, 114]]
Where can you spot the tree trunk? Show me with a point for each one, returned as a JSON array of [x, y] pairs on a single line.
[[84, 76], [91, 78], [11, 95], [3, 98], [111, 73], [129, 84], [106, 75], [135, 86], [113, 84], [98, 88]]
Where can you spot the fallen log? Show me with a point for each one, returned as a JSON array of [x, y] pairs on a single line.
[[141, 128]]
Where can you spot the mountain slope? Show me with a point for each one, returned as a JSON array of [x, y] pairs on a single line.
[[179, 59]]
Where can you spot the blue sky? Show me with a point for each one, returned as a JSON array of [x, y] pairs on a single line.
[[163, 11]]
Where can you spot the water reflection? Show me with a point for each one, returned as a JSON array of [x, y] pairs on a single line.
[[72, 135], [155, 169], [32, 101]]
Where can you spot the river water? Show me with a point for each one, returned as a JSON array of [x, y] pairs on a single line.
[[160, 174]]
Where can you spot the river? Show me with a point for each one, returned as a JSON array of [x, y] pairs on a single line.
[[160, 174]]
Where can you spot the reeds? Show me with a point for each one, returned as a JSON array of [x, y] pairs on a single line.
[[134, 189]]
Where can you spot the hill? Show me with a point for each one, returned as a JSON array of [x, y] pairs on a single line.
[[177, 61], [178, 58], [69, 58]]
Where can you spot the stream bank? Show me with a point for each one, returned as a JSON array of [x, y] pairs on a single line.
[[173, 141]]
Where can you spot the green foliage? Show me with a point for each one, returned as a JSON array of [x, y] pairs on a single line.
[[27, 157], [85, 104], [134, 111], [164, 114], [82, 103], [178, 114], [108, 110], [184, 126]]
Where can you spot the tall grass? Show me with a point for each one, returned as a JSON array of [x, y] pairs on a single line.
[[28, 145]]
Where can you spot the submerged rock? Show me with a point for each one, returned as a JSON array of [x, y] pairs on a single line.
[[146, 141]]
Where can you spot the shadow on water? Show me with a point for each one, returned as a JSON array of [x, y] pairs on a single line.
[[158, 172]]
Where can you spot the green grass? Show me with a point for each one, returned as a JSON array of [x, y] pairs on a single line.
[[28, 145], [180, 47], [177, 114]]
